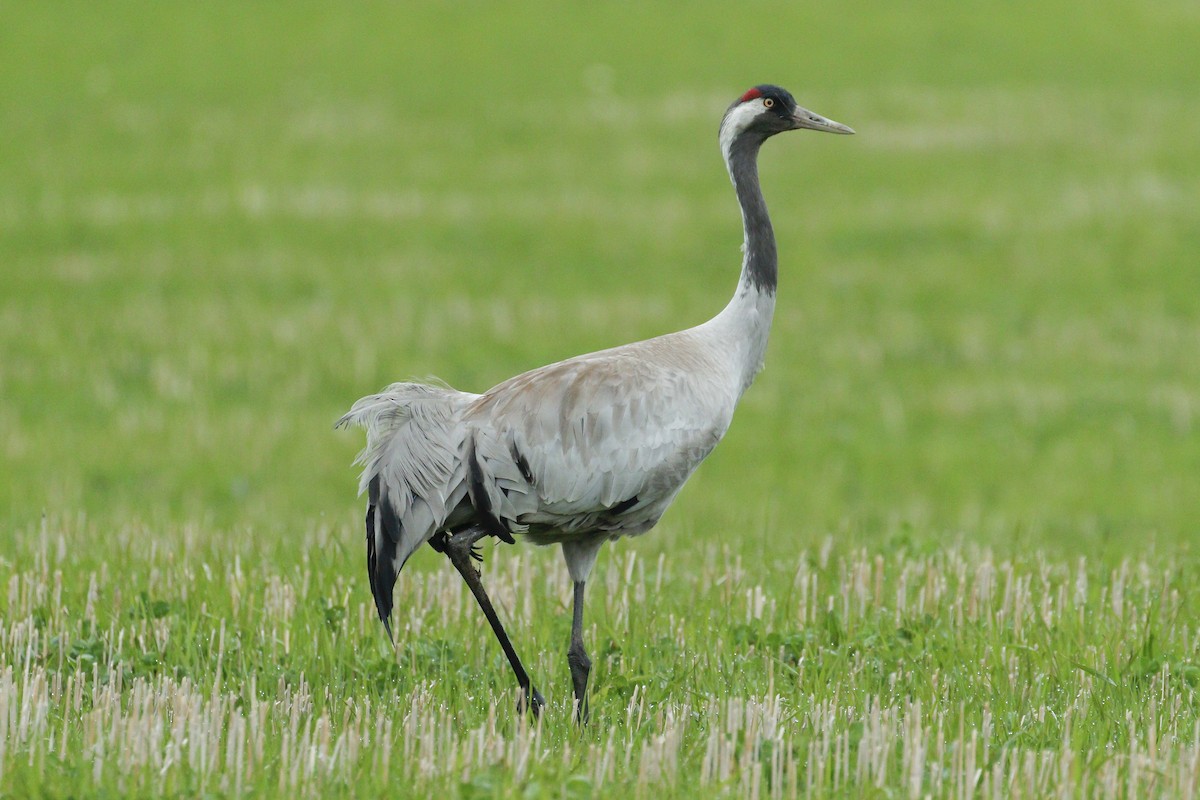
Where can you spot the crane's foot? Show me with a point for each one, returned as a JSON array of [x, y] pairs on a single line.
[[581, 667], [535, 702]]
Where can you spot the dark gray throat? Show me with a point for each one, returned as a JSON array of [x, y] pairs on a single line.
[[761, 266]]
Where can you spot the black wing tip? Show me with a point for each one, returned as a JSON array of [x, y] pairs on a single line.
[[390, 523], [380, 572], [522, 463], [624, 505], [480, 500]]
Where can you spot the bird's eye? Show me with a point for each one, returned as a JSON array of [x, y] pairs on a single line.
[[768, 103]]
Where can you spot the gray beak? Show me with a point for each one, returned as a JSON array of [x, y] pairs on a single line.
[[803, 118]]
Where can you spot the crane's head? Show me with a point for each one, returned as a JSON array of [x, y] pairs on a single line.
[[767, 110]]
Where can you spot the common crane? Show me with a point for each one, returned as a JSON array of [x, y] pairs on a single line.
[[579, 452]]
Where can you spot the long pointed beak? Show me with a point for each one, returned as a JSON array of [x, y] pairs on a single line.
[[803, 118]]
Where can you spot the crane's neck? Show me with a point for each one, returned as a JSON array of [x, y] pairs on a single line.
[[745, 323], [760, 262]]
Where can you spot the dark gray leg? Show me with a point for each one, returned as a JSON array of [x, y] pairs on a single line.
[[577, 657], [458, 550]]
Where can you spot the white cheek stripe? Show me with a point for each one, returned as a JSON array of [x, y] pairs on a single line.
[[737, 121]]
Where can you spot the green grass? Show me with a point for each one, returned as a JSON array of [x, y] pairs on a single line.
[[944, 549]]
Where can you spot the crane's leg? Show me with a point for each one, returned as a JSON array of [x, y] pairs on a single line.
[[577, 657], [580, 555], [458, 549]]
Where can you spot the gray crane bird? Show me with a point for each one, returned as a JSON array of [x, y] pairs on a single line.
[[579, 452]]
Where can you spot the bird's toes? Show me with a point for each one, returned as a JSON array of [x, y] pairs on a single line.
[[531, 700], [477, 553]]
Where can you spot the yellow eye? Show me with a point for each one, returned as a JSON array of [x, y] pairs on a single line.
[[768, 102]]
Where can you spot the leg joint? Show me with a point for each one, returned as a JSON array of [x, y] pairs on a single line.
[[577, 657], [459, 545]]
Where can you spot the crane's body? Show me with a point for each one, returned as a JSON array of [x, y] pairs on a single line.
[[582, 451]]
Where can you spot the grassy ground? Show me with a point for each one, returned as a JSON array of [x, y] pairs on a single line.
[[945, 549]]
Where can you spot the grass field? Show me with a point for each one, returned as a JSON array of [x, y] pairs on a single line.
[[945, 550]]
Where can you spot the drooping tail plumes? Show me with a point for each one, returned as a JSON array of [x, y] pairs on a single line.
[[412, 474]]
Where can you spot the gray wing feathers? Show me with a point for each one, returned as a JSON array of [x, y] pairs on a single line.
[[414, 440], [593, 433], [599, 442]]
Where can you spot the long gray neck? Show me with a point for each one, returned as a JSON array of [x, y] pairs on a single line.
[[760, 265], [742, 328]]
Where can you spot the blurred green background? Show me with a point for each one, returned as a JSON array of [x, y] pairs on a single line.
[[222, 223]]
